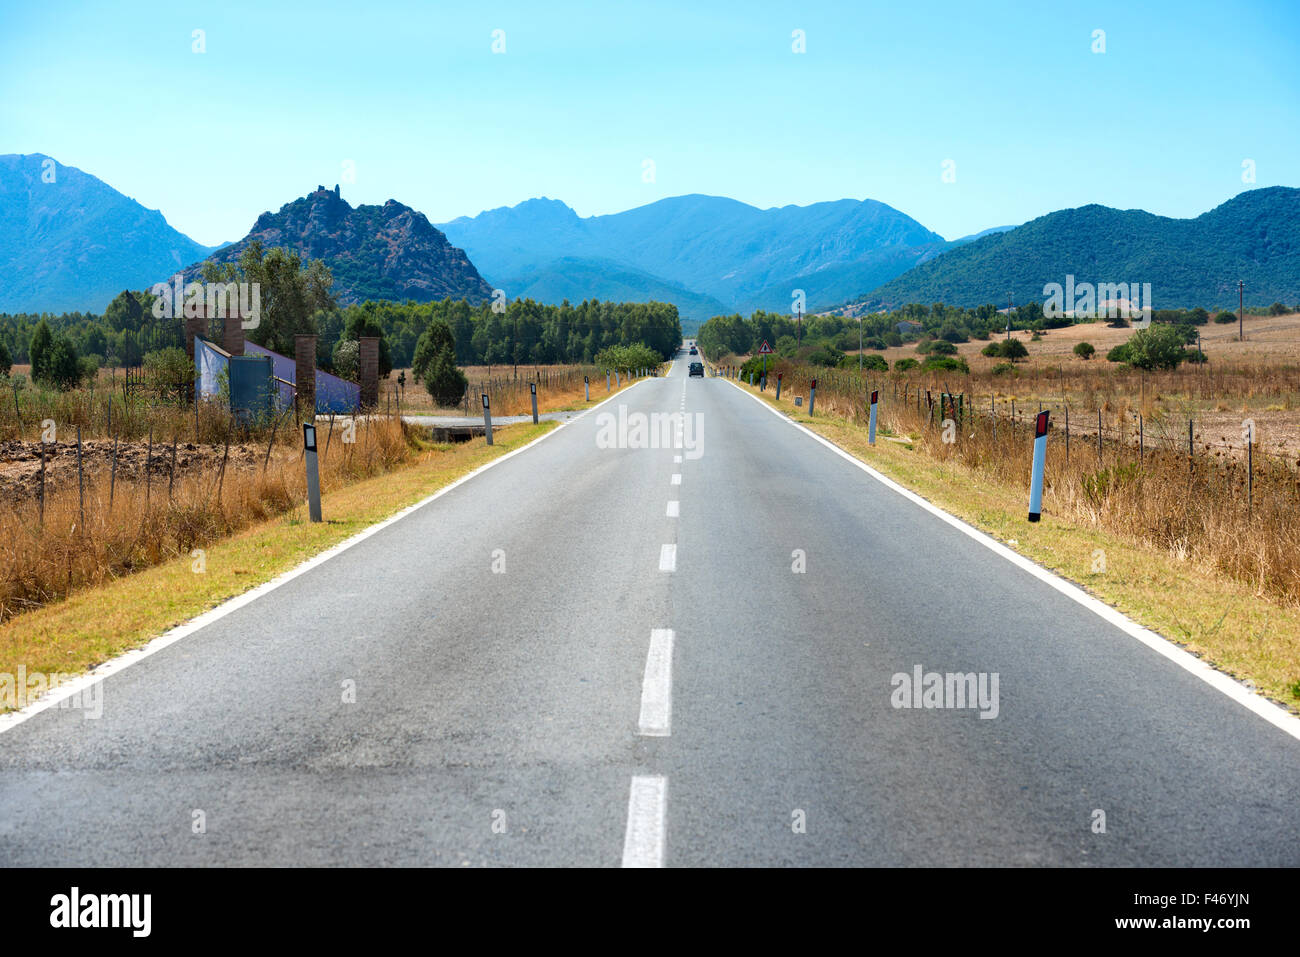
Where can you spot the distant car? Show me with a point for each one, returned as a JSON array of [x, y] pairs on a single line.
[[697, 368], [694, 351]]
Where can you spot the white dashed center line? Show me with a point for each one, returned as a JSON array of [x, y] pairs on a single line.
[[677, 478], [657, 686], [647, 804], [674, 509], [668, 558]]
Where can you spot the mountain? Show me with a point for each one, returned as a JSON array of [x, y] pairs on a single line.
[[374, 252], [705, 250], [1255, 237], [73, 243]]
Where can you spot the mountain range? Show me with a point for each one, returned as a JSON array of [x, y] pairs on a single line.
[[717, 254], [1253, 237], [70, 242]]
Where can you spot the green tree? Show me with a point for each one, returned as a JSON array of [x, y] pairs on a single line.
[[1013, 349], [6, 360], [289, 293], [434, 363], [346, 359], [60, 366], [39, 348], [1156, 347], [1084, 350]]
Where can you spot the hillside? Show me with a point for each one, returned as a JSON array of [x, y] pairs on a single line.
[[375, 252], [1254, 236], [74, 243], [713, 251]]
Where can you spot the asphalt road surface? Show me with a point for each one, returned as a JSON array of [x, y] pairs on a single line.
[[590, 655]]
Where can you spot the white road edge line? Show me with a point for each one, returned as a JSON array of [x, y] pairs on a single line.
[[127, 659], [677, 478], [1257, 704], [647, 804], [668, 558], [674, 509], [657, 686]]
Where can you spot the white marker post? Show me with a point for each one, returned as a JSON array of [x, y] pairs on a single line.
[[1040, 460], [606, 380], [812, 396], [532, 389], [313, 471], [586, 385], [871, 427], [778, 385], [487, 418]]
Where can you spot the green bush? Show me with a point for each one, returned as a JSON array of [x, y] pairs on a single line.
[[942, 347], [905, 363], [1005, 368], [346, 359], [1013, 349], [628, 358], [1225, 317], [875, 363], [945, 364], [1277, 309], [1085, 350], [6, 360], [992, 350], [1118, 354]]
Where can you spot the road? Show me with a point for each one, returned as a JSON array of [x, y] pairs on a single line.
[[733, 696]]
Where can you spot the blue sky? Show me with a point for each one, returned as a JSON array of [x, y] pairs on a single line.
[[414, 97]]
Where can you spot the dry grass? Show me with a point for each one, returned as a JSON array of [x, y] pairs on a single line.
[[132, 523]]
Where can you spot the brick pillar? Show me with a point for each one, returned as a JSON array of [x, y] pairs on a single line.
[[232, 334], [304, 354], [194, 326], [368, 370]]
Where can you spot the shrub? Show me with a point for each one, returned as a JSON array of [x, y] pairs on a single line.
[[1013, 349], [346, 359], [1005, 368], [893, 339], [875, 363], [6, 361], [992, 350], [946, 364], [1225, 317], [1084, 350], [1277, 309], [942, 347], [624, 358], [907, 362], [1118, 354]]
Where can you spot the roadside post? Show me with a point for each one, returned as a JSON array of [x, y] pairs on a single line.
[[1040, 459], [606, 380], [778, 385], [871, 428], [586, 385], [487, 418], [812, 396], [532, 389], [313, 471], [751, 378]]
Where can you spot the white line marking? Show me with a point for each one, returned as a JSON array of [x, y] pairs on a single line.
[[668, 558], [677, 478], [677, 460], [1258, 705], [657, 686], [127, 659], [674, 509], [647, 803]]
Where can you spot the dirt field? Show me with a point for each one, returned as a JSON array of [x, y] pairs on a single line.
[[20, 464]]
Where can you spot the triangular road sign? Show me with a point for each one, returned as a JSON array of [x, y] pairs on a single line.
[[764, 349]]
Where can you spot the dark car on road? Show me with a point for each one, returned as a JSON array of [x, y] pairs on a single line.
[[694, 351], [697, 368]]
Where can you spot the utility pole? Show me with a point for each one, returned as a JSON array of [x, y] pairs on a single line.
[[859, 345], [1241, 312], [798, 321]]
